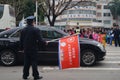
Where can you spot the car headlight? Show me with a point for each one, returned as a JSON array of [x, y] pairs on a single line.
[[101, 47]]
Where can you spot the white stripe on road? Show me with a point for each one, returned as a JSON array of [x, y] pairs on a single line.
[[80, 68], [117, 54], [111, 62], [113, 51], [96, 68], [112, 57]]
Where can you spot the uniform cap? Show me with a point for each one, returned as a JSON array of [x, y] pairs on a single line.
[[30, 18]]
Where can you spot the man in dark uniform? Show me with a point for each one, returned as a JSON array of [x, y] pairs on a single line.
[[116, 33], [30, 36]]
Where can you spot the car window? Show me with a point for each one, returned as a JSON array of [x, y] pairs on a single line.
[[51, 34], [16, 34], [57, 35]]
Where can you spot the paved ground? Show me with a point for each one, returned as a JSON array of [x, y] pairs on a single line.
[[50, 73], [15, 73]]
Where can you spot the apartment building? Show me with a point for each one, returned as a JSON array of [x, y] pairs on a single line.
[[94, 14], [78, 16], [103, 14]]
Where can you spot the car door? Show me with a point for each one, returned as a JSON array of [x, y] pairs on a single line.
[[15, 40], [50, 51]]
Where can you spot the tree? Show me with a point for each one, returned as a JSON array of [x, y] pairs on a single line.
[[114, 6], [53, 9], [29, 8], [24, 8]]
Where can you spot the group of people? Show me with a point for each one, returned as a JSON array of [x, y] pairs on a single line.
[[102, 35], [113, 35]]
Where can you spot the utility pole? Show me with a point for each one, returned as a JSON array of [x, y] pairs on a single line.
[[36, 12]]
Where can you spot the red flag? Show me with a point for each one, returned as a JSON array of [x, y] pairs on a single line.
[[69, 50]]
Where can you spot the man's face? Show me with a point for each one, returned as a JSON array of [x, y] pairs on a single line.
[[34, 23]]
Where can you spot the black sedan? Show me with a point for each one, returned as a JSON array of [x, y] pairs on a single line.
[[10, 53]]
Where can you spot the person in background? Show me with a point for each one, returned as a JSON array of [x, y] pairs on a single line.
[[111, 36], [95, 36], [116, 33], [77, 30], [90, 34], [108, 36]]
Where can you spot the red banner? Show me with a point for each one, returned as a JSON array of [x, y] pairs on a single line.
[[69, 50]]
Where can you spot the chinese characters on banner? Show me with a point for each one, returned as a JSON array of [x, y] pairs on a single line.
[[69, 52]]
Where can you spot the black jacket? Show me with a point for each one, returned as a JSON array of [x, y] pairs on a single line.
[[116, 33], [29, 39]]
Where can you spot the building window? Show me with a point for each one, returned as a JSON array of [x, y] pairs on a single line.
[[106, 14], [80, 19], [99, 21], [106, 7], [99, 6], [107, 22], [99, 14]]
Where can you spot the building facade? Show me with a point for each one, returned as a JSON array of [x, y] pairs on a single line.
[[79, 16], [94, 13], [103, 14]]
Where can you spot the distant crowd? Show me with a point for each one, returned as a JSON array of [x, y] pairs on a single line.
[[110, 35]]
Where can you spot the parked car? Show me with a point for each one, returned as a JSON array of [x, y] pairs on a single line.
[[1, 30], [10, 53]]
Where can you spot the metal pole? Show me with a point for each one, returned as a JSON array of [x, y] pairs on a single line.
[[116, 17], [36, 12], [67, 16]]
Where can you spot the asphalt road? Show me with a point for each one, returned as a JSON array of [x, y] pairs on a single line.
[[15, 73], [109, 69]]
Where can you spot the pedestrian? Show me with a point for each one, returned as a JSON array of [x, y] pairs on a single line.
[[30, 36], [108, 36], [77, 30], [116, 33], [111, 36], [95, 36]]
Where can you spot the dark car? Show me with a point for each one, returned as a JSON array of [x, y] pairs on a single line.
[[10, 52]]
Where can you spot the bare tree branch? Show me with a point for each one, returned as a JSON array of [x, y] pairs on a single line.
[[53, 9]]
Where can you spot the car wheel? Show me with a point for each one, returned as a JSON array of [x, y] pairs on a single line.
[[7, 58], [88, 58]]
